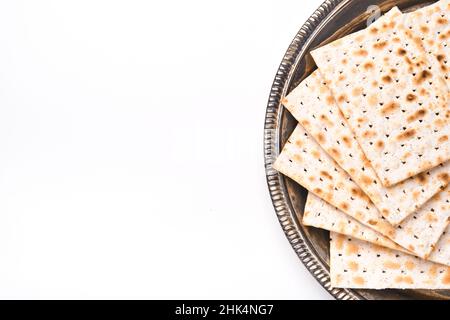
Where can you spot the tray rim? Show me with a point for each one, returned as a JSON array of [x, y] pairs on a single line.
[[278, 193]]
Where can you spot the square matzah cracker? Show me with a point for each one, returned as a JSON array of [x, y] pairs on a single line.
[[313, 105], [394, 99], [360, 264], [322, 215], [304, 161]]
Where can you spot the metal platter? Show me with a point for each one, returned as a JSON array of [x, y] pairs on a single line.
[[332, 20]]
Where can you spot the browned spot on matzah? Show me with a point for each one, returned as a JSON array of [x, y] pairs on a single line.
[[357, 91], [368, 65], [361, 52], [335, 153], [391, 265], [433, 271], [359, 281], [446, 278], [422, 178], [352, 265], [341, 98], [321, 138], [369, 134], [386, 79], [380, 45], [443, 138], [444, 177], [405, 279], [366, 180], [305, 123], [326, 175], [431, 217], [330, 100], [352, 248], [410, 265], [401, 51], [344, 206], [389, 108], [417, 115], [424, 29], [406, 135], [422, 76], [347, 141], [373, 100], [442, 21]]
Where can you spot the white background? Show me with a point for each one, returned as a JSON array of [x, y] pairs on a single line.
[[131, 160]]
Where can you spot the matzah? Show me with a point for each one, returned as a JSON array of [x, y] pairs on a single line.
[[441, 253], [304, 161], [313, 105], [322, 215], [431, 26], [394, 99], [359, 264]]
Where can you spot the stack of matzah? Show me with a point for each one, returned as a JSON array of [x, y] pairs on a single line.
[[372, 148]]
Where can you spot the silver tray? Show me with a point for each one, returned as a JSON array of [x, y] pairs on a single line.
[[332, 20]]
